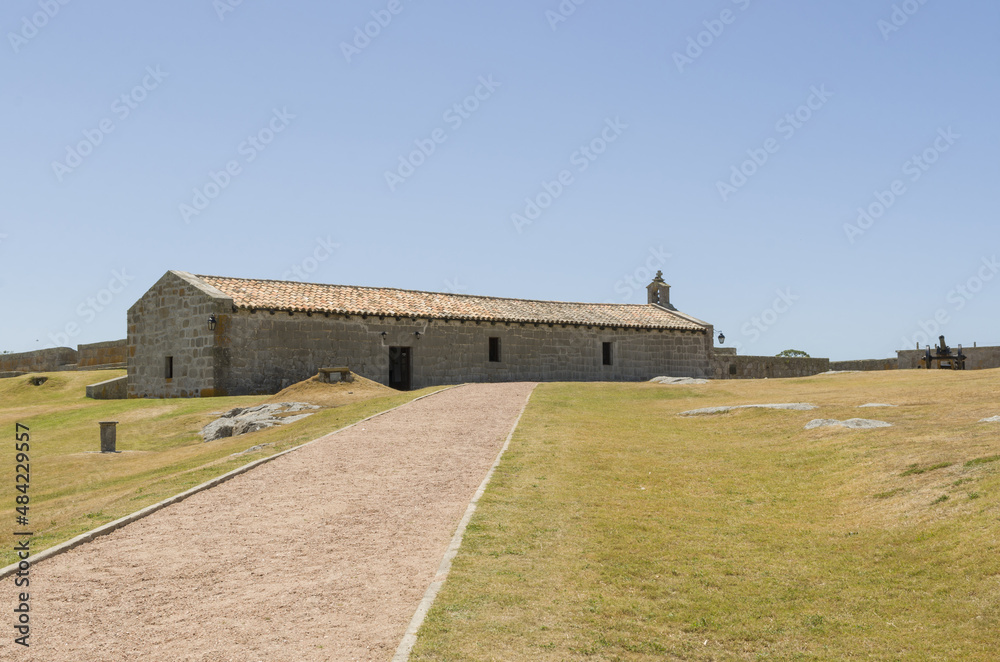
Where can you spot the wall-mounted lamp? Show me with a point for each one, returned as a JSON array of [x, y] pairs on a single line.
[[212, 322], [417, 334], [383, 334], [722, 339]]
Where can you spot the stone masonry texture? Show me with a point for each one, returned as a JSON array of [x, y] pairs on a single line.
[[101, 354], [171, 320], [84, 357], [864, 365], [43, 360], [267, 352], [727, 366]]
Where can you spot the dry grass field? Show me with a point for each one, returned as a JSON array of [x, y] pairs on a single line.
[[615, 529], [74, 489]]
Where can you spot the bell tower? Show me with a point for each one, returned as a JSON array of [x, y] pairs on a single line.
[[658, 292]]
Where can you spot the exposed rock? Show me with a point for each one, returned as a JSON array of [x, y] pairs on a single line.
[[852, 423], [252, 449], [875, 404], [217, 429], [243, 420], [994, 419], [822, 423], [865, 424], [677, 380], [793, 406]]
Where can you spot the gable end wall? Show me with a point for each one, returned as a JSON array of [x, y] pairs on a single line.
[[171, 319]]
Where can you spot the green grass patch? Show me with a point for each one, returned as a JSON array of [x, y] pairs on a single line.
[[655, 537], [982, 460], [915, 470]]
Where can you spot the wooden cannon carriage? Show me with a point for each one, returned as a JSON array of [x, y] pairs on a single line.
[[944, 357]]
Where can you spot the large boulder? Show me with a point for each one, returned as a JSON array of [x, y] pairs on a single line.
[[244, 420]]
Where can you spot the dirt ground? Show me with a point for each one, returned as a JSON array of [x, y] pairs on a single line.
[[322, 554]]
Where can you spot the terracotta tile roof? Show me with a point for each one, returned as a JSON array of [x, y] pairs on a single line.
[[352, 300]]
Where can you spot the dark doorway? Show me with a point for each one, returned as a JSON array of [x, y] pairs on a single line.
[[399, 368]]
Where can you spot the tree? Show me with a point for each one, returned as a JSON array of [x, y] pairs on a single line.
[[794, 354]]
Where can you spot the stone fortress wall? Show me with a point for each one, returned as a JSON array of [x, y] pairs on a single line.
[[95, 356], [864, 365], [727, 365], [102, 354]]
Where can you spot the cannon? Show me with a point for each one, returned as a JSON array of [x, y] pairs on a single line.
[[944, 357]]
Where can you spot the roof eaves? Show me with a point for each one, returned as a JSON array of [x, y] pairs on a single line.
[[473, 318]]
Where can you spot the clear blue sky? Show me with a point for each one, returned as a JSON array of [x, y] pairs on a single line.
[[100, 194]]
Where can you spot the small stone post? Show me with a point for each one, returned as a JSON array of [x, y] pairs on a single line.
[[108, 436]]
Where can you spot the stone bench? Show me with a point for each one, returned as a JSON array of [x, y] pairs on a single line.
[[335, 375]]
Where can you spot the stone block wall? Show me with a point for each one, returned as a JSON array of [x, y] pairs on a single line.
[[43, 360], [727, 366], [264, 352], [977, 358], [111, 389], [101, 354], [56, 359], [865, 365], [171, 320]]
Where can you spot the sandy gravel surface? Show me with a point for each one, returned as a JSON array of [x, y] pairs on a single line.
[[322, 554]]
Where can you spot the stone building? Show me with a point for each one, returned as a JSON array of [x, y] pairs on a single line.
[[194, 336]]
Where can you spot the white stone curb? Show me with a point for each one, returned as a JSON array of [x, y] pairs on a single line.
[[149, 510], [410, 638]]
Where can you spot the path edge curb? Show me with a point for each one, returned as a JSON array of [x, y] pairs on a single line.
[[111, 527], [410, 638]]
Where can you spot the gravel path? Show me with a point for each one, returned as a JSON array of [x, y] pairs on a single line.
[[322, 554]]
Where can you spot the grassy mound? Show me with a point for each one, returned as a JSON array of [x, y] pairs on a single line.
[[319, 393]]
